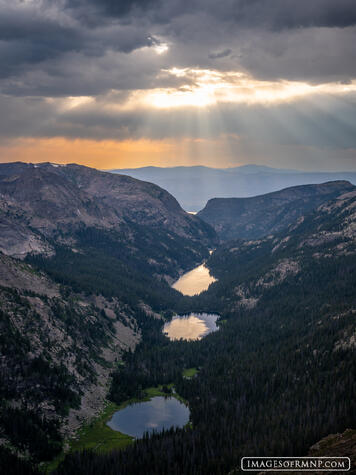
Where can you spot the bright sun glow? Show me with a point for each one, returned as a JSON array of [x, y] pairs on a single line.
[[201, 88], [205, 87]]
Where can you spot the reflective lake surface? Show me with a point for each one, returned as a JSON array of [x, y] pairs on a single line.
[[155, 415], [194, 281], [191, 327]]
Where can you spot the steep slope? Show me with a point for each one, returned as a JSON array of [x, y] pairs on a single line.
[[57, 349], [194, 186], [252, 218]]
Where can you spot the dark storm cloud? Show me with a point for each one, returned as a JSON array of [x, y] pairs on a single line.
[[116, 8], [42, 42], [34, 36], [282, 14], [276, 14], [26, 37], [315, 55]]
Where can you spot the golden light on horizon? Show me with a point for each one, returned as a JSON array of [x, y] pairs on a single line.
[[93, 153], [107, 154]]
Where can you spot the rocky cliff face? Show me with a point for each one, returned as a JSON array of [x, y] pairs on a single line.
[[252, 218]]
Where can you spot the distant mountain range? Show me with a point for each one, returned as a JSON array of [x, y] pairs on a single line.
[[194, 186]]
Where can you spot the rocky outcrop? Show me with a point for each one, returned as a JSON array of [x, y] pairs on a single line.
[[333, 445]]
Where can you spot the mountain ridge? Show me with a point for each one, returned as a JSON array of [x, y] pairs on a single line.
[[254, 217]]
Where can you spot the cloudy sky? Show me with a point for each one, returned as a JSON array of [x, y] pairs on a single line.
[[129, 83]]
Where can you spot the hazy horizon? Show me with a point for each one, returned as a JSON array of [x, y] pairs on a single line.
[[235, 167], [248, 165]]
